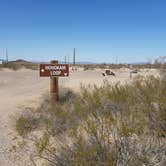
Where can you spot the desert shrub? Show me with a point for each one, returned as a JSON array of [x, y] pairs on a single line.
[[89, 67], [108, 125], [26, 124], [11, 66], [31, 66], [17, 66]]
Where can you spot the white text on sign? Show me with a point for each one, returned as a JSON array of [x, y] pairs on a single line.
[[55, 67], [55, 73]]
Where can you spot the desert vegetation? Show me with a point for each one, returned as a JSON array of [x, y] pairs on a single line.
[[18, 64], [156, 65], [121, 125]]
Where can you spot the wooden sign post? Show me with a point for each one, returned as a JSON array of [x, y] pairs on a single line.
[[54, 71], [54, 85]]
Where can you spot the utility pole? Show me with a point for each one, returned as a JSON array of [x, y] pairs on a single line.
[[116, 60], [65, 59], [6, 55], [74, 62]]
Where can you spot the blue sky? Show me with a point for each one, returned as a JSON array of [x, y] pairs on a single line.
[[100, 30]]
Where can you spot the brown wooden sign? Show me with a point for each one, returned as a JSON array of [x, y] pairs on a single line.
[[54, 70]]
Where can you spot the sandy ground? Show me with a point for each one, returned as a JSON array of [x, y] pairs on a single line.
[[24, 88]]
